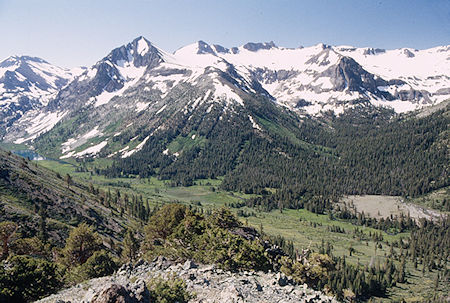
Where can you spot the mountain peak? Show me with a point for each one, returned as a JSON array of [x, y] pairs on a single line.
[[254, 47], [142, 45], [204, 48], [140, 52], [220, 49], [373, 51], [323, 46], [197, 48], [20, 59]]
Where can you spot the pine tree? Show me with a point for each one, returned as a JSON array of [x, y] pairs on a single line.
[[7, 229], [130, 246], [81, 244], [68, 180], [43, 233]]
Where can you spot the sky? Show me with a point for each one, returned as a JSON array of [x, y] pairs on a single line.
[[73, 33]]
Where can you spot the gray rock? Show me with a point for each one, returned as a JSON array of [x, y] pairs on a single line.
[[209, 285], [281, 279], [189, 264], [114, 294]]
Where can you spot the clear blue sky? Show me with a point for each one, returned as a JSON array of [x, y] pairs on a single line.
[[80, 32]]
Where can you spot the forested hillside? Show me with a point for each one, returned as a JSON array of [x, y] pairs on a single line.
[[361, 152]]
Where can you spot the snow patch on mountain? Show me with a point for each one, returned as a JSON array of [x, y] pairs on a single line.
[[161, 109], [142, 46], [73, 143], [223, 91], [93, 150], [132, 74], [398, 106], [403, 63], [165, 83], [192, 56], [136, 149], [39, 124], [140, 106], [254, 124]]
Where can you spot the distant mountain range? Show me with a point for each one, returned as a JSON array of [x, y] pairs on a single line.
[[28, 83], [138, 88]]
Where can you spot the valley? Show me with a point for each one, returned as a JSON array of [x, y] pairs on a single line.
[[305, 229], [328, 164]]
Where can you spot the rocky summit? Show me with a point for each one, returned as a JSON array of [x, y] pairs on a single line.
[[206, 283]]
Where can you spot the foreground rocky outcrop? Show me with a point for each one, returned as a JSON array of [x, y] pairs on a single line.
[[207, 282]]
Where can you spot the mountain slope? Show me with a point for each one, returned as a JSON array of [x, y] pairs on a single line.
[[309, 81], [405, 79], [208, 111], [26, 84], [26, 188]]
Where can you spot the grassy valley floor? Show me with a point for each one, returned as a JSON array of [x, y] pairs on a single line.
[[304, 228]]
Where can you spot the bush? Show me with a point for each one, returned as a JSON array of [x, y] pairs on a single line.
[[223, 218], [30, 246], [211, 239], [312, 270], [7, 229], [163, 222], [230, 251], [80, 245], [100, 264], [23, 279], [172, 290]]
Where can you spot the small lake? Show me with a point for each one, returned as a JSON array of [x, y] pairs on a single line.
[[29, 154]]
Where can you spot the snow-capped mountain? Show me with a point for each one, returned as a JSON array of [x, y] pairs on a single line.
[[323, 77], [132, 78], [112, 75], [138, 89], [28, 83]]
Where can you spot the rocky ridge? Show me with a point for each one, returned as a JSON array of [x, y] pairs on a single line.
[[207, 282]]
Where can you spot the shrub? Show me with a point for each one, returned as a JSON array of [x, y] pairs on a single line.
[[7, 229], [211, 239], [230, 251], [98, 265], [312, 270], [223, 218], [130, 247], [24, 279], [29, 246], [163, 222], [172, 290]]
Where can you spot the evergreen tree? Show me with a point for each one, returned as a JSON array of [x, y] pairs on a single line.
[[130, 246], [42, 232], [68, 180], [81, 244], [7, 229]]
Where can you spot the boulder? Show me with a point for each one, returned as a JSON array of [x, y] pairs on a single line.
[[114, 294]]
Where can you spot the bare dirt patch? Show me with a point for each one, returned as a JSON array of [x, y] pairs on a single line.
[[377, 206]]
